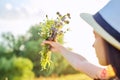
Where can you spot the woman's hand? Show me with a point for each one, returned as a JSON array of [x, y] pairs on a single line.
[[55, 47]]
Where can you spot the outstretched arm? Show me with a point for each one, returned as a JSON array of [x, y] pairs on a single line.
[[76, 60]]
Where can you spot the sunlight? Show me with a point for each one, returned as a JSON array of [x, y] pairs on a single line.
[[36, 11]]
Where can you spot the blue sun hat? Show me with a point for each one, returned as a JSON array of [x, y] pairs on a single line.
[[106, 22]]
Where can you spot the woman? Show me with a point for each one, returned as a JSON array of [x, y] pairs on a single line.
[[106, 25]]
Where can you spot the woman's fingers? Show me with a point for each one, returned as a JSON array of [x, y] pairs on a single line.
[[47, 42], [54, 46]]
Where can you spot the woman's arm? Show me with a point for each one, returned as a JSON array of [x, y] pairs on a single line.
[[76, 60], [81, 64]]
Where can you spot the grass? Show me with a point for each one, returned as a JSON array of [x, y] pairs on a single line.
[[66, 77]]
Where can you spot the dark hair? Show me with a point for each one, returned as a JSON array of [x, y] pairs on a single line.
[[113, 55]]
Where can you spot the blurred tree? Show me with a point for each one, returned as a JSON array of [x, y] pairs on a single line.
[[32, 48], [16, 68], [28, 46]]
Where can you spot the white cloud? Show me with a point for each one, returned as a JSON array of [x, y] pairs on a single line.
[[8, 6]]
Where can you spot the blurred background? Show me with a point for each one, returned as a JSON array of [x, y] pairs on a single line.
[[20, 42]]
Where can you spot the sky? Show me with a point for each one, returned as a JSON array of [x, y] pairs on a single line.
[[17, 16]]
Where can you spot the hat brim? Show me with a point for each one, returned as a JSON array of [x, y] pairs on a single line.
[[90, 20]]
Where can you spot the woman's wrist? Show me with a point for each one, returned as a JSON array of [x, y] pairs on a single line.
[[62, 50]]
